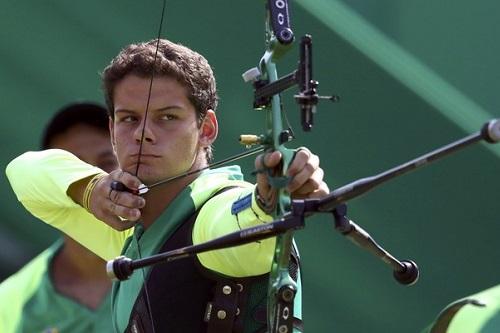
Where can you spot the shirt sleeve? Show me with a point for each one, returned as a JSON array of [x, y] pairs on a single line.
[[231, 211], [18, 289], [40, 181]]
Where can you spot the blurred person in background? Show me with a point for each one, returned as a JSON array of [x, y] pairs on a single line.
[[65, 288]]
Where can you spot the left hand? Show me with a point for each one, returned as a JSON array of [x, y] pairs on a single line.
[[305, 173]]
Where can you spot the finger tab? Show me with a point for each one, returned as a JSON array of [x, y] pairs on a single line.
[[119, 186]]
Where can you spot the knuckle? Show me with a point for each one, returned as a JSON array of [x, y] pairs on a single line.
[[315, 159], [258, 161], [131, 201], [319, 174], [140, 202], [310, 167], [133, 215], [314, 183], [304, 152], [112, 208], [115, 174]]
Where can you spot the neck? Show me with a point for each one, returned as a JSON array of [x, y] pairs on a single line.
[[79, 274], [80, 261], [159, 198]]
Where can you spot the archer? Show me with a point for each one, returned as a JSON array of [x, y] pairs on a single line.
[[161, 99]]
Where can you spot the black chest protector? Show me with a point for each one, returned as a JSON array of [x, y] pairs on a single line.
[[186, 297]]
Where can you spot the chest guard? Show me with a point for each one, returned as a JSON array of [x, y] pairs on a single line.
[[185, 297]]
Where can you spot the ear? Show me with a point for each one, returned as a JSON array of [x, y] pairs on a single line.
[[208, 129], [111, 125]]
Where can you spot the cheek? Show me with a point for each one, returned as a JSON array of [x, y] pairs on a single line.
[[122, 134], [184, 138], [190, 142], [120, 141]]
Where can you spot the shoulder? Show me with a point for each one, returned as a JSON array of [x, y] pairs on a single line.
[[213, 183], [20, 287], [28, 275]]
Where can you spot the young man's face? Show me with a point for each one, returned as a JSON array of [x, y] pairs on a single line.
[[173, 142], [89, 144]]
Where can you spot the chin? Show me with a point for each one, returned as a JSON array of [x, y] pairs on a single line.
[[149, 177], [129, 167]]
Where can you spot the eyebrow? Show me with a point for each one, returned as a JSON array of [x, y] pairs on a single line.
[[162, 109]]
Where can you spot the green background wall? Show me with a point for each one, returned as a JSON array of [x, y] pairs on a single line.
[[412, 75]]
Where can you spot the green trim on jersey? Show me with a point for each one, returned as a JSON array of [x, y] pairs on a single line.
[[148, 242], [29, 303], [480, 313]]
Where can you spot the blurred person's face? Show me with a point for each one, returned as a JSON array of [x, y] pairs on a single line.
[[90, 144]]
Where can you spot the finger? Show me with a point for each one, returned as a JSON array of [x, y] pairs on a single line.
[[262, 162], [303, 175], [108, 216], [311, 184], [127, 199], [268, 160], [127, 179], [319, 191], [131, 214], [301, 159], [322, 192], [263, 186]]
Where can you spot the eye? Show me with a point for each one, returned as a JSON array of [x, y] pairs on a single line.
[[127, 118], [168, 116]]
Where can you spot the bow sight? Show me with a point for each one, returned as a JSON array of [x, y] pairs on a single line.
[[307, 98], [279, 37]]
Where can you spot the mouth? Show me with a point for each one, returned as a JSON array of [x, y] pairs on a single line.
[[144, 159], [144, 155]]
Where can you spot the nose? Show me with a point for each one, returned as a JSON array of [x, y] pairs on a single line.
[[144, 132]]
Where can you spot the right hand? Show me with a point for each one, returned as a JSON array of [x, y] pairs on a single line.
[[119, 209]]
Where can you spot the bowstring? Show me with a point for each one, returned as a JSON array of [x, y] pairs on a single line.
[[146, 293], [150, 88]]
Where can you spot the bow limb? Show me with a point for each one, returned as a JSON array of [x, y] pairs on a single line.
[[282, 288]]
